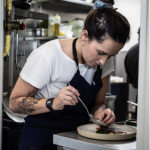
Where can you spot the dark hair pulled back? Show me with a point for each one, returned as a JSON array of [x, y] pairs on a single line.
[[105, 23]]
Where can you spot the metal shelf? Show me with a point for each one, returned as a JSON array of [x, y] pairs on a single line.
[[44, 38], [78, 2], [24, 14], [40, 38], [66, 5]]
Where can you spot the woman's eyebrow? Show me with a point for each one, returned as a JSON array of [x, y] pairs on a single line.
[[106, 53], [103, 52]]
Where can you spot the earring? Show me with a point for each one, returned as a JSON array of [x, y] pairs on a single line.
[[83, 43]]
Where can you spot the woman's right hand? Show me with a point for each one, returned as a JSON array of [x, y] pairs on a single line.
[[67, 96]]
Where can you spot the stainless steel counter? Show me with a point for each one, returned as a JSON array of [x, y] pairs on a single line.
[[73, 141]]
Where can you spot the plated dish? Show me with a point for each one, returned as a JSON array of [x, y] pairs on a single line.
[[89, 131], [103, 130]]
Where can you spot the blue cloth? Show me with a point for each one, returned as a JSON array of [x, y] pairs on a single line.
[[39, 129], [100, 4]]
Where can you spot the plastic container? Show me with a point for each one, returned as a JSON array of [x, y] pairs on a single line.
[[69, 34], [65, 30], [77, 32], [57, 20], [77, 27], [69, 27], [51, 26], [79, 23]]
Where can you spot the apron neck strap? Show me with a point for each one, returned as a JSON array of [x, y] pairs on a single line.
[[75, 54]]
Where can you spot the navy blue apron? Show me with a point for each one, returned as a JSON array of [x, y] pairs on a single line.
[[38, 130]]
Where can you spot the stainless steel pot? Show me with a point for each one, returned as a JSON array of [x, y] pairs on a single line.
[[30, 32], [110, 102], [38, 31]]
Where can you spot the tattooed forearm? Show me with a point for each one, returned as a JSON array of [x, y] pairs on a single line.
[[14, 99], [25, 105]]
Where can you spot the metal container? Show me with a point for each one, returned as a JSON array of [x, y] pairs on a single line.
[[44, 32], [38, 31], [30, 32], [110, 102], [14, 116]]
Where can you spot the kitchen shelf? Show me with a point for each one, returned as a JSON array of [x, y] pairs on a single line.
[[66, 5], [24, 14], [40, 38], [44, 38], [78, 2]]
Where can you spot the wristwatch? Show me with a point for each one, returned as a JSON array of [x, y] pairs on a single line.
[[49, 103]]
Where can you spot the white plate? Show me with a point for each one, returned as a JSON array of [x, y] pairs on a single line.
[[89, 131]]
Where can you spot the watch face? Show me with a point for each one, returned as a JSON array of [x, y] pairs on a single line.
[[49, 102]]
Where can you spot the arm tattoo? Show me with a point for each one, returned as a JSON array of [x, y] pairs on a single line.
[[26, 105], [14, 99], [32, 92]]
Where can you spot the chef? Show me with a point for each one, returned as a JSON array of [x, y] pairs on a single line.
[[85, 63]]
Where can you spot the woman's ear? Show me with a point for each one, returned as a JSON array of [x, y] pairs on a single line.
[[84, 35]]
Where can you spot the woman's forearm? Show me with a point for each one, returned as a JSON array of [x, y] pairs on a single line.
[[28, 105]]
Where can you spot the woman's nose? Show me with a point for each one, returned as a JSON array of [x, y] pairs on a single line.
[[103, 60]]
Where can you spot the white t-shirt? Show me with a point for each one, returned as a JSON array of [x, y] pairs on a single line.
[[49, 69]]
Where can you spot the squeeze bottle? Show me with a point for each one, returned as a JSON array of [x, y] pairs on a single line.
[[51, 26], [57, 20]]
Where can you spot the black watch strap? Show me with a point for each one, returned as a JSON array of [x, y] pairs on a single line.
[[49, 103]]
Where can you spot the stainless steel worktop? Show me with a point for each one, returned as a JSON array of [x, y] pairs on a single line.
[[73, 141]]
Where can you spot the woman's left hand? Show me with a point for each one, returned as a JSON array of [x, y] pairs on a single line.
[[107, 116]]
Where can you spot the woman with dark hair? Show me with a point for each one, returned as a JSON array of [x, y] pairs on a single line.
[[42, 93]]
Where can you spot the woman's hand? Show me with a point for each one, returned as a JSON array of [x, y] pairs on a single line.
[[67, 96], [107, 116]]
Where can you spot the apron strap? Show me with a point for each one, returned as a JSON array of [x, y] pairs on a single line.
[[98, 68], [75, 53]]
